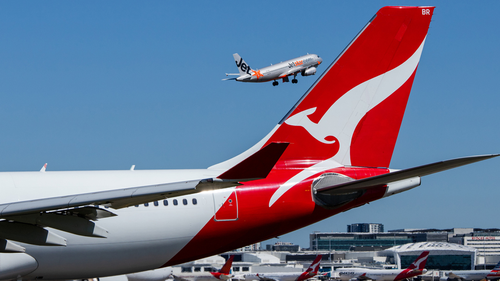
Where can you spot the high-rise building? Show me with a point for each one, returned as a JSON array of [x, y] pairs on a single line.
[[365, 227]]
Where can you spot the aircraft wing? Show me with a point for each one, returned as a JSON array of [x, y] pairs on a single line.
[[292, 71], [119, 198], [357, 185], [452, 275], [178, 278]]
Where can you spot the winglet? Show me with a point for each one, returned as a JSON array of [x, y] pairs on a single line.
[[43, 168], [258, 165]]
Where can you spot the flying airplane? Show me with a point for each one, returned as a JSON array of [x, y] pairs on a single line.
[[311, 271], [329, 154], [305, 65], [415, 269], [223, 274], [473, 275]]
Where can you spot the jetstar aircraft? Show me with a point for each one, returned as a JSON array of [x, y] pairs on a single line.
[[311, 271], [415, 269], [223, 274], [305, 65], [473, 275], [329, 154]]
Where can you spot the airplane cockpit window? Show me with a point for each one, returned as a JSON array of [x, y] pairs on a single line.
[[165, 202], [184, 201], [175, 202]]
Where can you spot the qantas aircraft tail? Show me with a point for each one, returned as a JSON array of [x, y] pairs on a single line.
[[420, 261], [226, 269], [225, 272], [353, 112], [312, 270]]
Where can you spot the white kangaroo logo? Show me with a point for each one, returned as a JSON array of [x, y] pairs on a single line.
[[341, 119]]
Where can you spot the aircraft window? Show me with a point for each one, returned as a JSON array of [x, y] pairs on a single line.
[[155, 203], [175, 202], [137, 205], [236, 268], [197, 269], [245, 268], [146, 204], [184, 201], [195, 201], [186, 269], [165, 202]]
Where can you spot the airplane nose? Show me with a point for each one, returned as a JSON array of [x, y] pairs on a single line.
[[320, 60]]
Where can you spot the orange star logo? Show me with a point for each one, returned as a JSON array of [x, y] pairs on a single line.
[[258, 74]]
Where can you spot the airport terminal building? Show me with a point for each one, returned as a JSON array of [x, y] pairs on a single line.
[[352, 241], [443, 256]]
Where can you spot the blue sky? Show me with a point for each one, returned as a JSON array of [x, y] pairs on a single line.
[[89, 85]]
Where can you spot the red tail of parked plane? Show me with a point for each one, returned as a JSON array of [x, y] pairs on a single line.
[[312, 270], [415, 269], [225, 272]]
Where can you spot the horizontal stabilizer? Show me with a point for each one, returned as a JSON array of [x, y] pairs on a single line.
[[256, 166], [402, 174], [225, 79]]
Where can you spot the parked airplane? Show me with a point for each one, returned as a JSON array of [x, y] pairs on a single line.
[[223, 274], [305, 65], [473, 275], [415, 269], [329, 154], [159, 274], [311, 271]]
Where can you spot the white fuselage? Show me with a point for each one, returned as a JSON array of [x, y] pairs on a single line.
[[470, 275], [278, 276], [373, 274], [153, 234]]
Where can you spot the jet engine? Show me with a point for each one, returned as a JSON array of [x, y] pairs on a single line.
[[309, 71], [13, 265]]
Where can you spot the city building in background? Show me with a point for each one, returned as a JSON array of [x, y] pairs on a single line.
[[283, 246], [365, 227]]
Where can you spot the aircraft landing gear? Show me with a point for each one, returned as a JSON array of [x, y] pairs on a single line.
[[294, 81], [275, 83]]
